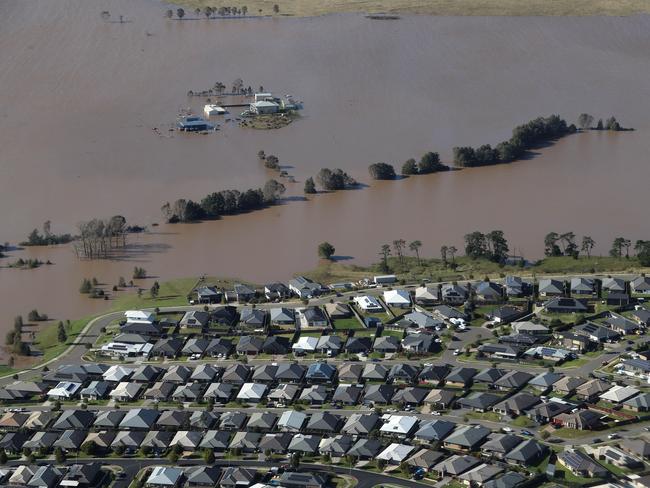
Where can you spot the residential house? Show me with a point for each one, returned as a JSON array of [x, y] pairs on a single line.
[[580, 464], [276, 291], [195, 320], [550, 288], [397, 298], [304, 287]]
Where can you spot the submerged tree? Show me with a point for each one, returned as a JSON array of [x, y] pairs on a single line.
[[326, 250]]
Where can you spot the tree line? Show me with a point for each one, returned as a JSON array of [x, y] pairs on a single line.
[[225, 202], [98, 238], [585, 122], [46, 238], [565, 244], [330, 180], [524, 137]]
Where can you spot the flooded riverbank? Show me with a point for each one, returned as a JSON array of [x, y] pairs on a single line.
[[81, 96]]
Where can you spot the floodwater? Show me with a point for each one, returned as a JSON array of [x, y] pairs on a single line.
[[80, 97]]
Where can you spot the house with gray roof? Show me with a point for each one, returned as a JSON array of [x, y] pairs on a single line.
[[305, 444], [160, 391], [250, 345], [262, 421], [202, 476], [203, 420], [410, 396], [236, 374], [440, 398], [545, 412], [433, 374], [205, 373], [45, 477], [323, 423], [583, 286], [109, 419], [74, 419], [219, 348], [498, 445], [513, 380], [374, 372], [434, 430], [276, 345], [237, 477], [479, 401], [304, 287], [466, 438], [366, 448], [195, 346], [378, 394], [217, 440], [292, 421], [276, 442], [245, 441], [197, 320], [96, 390], [526, 453], [169, 347], [550, 288], [188, 440], [147, 373], [130, 441], [173, 420], [386, 344], [517, 404], [276, 291], [232, 420], [252, 317], [580, 464], [347, 394], [290, 372], [164, 477], [418, 343], [403, 373], [157, 440], [488, 375], [70, 440], [315, 395], [640, 285], [460, 376], [284, 394], [330, 345], [336, 446], [360, 424], [456, 465], [41, 440], [139, 419]]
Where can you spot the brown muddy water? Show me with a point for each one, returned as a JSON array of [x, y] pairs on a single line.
[[79, 98]]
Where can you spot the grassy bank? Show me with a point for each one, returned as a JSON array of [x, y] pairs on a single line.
[[466, 268], [305, 8]]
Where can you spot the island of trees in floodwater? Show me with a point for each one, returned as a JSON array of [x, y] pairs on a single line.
[[525, 137]]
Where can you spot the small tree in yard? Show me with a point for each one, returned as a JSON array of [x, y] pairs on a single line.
[[59, 455], [208, 456], [325, 250], [61, 334]]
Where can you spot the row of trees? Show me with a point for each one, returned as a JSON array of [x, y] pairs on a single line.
[[330, 180], [524, 137], [14, 338], [429, 163], [225, 202], [98, 238], [492, 246], [46, 238], [565, 245], [585, 122], [399, 246]]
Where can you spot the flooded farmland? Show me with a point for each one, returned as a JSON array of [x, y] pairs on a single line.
[[80, 98]]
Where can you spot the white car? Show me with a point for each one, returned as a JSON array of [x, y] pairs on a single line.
[[461, 327], [506, 429], [457, 352], [435, 412]]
